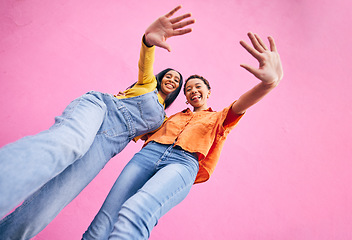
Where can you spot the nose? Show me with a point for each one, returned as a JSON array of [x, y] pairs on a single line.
[[174, 79]]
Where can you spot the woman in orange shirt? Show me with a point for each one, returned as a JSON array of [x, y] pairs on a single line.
[[183, 152]]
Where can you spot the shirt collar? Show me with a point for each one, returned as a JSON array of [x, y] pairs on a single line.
[[189, 110]]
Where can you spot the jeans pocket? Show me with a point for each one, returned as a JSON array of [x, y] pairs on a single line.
[[151, 112], [191, 161], [117, 122]]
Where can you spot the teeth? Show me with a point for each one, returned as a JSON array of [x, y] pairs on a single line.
[[195, 97]]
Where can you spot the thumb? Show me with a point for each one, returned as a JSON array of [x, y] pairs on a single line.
[[165, 46], [249, 69]]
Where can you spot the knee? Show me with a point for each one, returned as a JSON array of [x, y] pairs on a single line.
[[135, 220], [100, 228]]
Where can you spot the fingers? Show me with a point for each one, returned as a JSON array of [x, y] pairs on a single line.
[[261, 43], [121, 94], [178, 23], [180, 18], [270, 68], [258, 45], [173, 11], [251, 50], [257, 42], [183, 24], [272, 44], [182, 31]]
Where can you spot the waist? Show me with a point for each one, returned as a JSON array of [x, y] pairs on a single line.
[[194, 154]]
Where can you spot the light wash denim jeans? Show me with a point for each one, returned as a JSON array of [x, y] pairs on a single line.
[[95, 126], [155, 180]]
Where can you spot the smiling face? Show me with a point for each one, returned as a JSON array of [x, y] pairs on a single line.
[[170, 82], [197, 93]]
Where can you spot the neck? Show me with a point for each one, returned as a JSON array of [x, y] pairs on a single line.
[[198, 109], [162, 95]]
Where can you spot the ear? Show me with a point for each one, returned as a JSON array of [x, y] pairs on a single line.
[[208, 94]]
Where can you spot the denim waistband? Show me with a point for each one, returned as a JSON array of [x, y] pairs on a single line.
[[195, 155]]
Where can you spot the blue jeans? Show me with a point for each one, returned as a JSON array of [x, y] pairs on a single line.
[[92, 129], [155, 180]]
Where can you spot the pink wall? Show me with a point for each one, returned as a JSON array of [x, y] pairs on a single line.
[[285, 171]]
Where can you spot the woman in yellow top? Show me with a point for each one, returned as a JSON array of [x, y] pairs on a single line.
[[91, 130], [182, 152]]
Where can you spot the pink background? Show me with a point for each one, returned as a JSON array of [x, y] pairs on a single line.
[[285, 171]]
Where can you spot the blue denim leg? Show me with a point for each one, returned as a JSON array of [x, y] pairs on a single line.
[[132, 178], [121, 124], [44, 205], [30, 162], [155, 180]]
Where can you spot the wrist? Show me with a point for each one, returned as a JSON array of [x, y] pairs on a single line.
[[269, 85], [145, 41]]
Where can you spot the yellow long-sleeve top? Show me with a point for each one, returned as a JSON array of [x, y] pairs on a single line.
[[146, 78]]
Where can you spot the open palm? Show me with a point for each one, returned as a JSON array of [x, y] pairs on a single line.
[[270, 67], [164, 27]]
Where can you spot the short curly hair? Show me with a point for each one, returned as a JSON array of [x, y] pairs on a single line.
[[206, 82]]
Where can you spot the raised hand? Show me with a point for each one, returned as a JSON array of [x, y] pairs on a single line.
[[270, 69], [164, 27]]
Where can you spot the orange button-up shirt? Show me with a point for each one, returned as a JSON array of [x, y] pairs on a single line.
[[201, 132]]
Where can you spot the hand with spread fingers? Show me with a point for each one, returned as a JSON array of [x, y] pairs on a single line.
[[269, 72], [165, 27], [270, 68]]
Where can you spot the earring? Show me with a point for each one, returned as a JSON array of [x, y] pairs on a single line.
[[187, 102]]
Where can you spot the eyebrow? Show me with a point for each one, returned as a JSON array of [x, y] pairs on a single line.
[[169, 74], [194, 84]]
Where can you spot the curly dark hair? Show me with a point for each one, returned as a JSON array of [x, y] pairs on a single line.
[[206, 82]]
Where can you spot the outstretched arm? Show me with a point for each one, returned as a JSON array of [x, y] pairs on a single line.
[[165, 27], [269, 72]]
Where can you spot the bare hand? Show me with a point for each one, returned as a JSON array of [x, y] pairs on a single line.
[[121, 94], [270, 69], [164, 28]]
